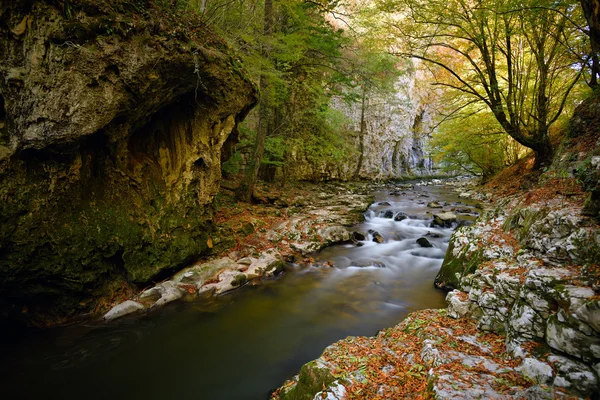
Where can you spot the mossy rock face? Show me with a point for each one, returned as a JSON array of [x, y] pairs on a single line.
[[521, 221], [454, 268], [112, 153], [311, 380]]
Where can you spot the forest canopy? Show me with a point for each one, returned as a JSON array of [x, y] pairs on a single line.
[[503, 73]]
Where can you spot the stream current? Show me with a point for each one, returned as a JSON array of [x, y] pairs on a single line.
[[241, 345]]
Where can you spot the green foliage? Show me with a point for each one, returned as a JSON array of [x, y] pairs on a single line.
[[474, 143]]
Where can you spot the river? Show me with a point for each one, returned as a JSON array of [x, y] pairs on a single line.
[[241, 345]]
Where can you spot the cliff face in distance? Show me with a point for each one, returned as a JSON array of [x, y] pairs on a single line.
[[395, 136], [113, 116]]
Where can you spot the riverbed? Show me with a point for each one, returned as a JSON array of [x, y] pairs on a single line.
[[241, 345]]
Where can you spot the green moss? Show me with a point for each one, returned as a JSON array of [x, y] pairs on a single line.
[[521, 221], [454, 268], [311, 381], [239, 280]]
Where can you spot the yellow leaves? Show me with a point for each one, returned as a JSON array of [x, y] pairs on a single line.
[[209, 243]]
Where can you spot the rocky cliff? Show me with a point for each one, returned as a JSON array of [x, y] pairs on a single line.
[[395, 136], [113, 116]]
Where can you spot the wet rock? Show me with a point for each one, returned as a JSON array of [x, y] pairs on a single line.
[[400, 217], [199, 273], [387, 214], [384, 203], [434, 235], [335, 234], [377, 237], [169, 292], [268, 264], [434, 204], [239, 280], [120, 310], [423, 242], [444, 219], [357, 236]]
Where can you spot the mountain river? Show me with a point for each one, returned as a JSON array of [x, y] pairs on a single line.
[[243, 344]]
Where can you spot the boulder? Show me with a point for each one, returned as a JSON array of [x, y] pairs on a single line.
[[387, 214], [268, 264], [445, 219], [169, 292], [434, 204], [400, 217], [357, 236], [377, 237], [335, 234], [423, 242]]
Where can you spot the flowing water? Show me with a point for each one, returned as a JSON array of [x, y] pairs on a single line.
[[241, 345]]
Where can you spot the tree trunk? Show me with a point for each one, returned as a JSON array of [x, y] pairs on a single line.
[[544, 153], [246, 188], [591, 11], [361, 135]]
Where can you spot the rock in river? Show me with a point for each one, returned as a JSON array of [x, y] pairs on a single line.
[[377, 237], [423, 242], [444, 219]]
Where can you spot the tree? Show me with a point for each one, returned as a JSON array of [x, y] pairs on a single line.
[[513, 59], [246, 189]]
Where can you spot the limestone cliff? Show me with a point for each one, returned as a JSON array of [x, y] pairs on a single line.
[[112, 122], [394, 138]]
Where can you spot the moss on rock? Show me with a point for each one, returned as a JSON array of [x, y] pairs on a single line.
[[311, 380], [112, 154], [454, 268]]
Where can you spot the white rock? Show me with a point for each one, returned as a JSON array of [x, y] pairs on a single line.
[[534, 369], [524, 321], [567, 339], [574, 374], [169, 292], [457, 307], [120, 310], [265, 265]]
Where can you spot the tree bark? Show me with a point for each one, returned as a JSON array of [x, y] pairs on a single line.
[[361, 135], [246, 189]]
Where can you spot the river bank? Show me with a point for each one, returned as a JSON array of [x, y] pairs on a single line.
[[253, 335], [254, 242], [522, 315]]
